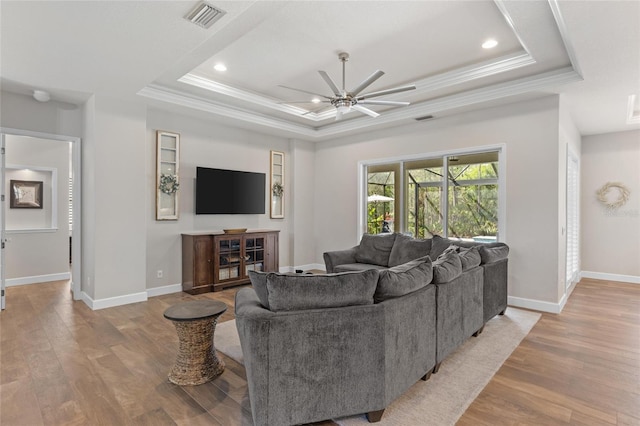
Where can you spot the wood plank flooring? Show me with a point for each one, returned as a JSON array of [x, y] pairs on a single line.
[[63, 364]]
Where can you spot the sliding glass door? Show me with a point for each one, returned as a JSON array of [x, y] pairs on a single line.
[[449, 195]]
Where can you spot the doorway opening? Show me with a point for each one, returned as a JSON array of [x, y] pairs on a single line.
[[40, 214]]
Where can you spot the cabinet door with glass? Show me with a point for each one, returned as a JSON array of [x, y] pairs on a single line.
[[228, 262], [254, 253]]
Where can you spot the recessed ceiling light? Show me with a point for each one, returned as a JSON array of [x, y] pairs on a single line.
[[489, 44], [220, 67], [316, 100], [41, 96]]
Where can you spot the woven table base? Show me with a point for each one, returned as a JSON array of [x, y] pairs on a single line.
[[197, 361]]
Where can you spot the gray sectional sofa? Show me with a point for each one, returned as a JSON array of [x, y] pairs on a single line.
[[351, 341]]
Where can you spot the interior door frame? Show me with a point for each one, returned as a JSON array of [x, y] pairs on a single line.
[[76, 242]]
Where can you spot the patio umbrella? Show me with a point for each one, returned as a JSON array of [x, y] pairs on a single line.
[[375, 197]]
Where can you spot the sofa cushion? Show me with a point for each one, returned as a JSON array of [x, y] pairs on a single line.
[[406, 249], [451, 249], [438, 245], [259, 283], [375, 249], [490, 254], [352, 267], [288, 292], [403, 279], [447, 268], [470, 257]]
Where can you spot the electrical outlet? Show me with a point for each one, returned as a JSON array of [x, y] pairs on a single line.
[[159, 273]]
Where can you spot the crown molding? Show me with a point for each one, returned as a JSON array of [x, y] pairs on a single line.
[[564, 34], [423, 87], [171, 96], [633, 115], [472, 97]]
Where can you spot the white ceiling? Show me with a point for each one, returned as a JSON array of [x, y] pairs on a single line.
[[587, 50]]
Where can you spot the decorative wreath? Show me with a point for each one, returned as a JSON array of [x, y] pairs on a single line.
[[169, 184], [603, 194], [277, 189]]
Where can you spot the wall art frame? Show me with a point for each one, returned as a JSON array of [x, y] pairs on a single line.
[[26, 194], [276, 188], [167, 175]]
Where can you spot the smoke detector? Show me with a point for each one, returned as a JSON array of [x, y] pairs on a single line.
[[205, 15]]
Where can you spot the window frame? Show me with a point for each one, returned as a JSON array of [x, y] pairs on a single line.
[[401, 213]]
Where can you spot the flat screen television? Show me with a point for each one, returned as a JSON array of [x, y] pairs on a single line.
[[220, 191]]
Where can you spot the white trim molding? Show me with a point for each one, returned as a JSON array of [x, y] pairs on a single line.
[[37, 279], [167, 289], [537, 305], [632, 279], [110, 302]]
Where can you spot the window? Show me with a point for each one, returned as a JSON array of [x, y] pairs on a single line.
[[456, 196], [381, 198]]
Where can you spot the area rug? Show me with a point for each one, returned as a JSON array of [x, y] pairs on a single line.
[[446, 395]]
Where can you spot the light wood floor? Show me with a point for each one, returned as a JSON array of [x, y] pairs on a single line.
[[63, 364]]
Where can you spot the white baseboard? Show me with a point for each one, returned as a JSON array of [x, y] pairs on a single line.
[[167, 289], [110, 302], [37, 279], [537, 305], [611, 277]]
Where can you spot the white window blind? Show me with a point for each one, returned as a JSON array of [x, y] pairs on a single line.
[[573, 220]]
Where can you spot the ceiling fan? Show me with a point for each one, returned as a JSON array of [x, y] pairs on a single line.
[[344, 100]]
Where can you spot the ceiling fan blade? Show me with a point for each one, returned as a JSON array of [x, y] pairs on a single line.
[[376, 102], [330, 82], [373, 77], [302, 102], [365, 110], [304, 91], [318, 110], [387, 92]]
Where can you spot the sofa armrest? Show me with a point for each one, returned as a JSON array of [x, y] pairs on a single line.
[[301, 365], [340, 257]]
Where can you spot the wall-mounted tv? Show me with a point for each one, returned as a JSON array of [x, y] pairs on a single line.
[[220, 191]]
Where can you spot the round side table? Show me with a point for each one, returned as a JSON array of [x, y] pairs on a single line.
[[197, 361]]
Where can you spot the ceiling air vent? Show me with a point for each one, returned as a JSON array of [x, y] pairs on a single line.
[[426, 117], [205, 15]]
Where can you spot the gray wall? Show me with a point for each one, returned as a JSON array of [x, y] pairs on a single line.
[[610, 240], [213, 145], [530, 132]]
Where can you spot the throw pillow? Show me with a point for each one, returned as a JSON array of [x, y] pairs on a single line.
[[447, 268], [403, 279], [259, 283], [406, 249], [438, 245], [298, 292], [470, 257], [451, 249], [375, 249], [490, 254]]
